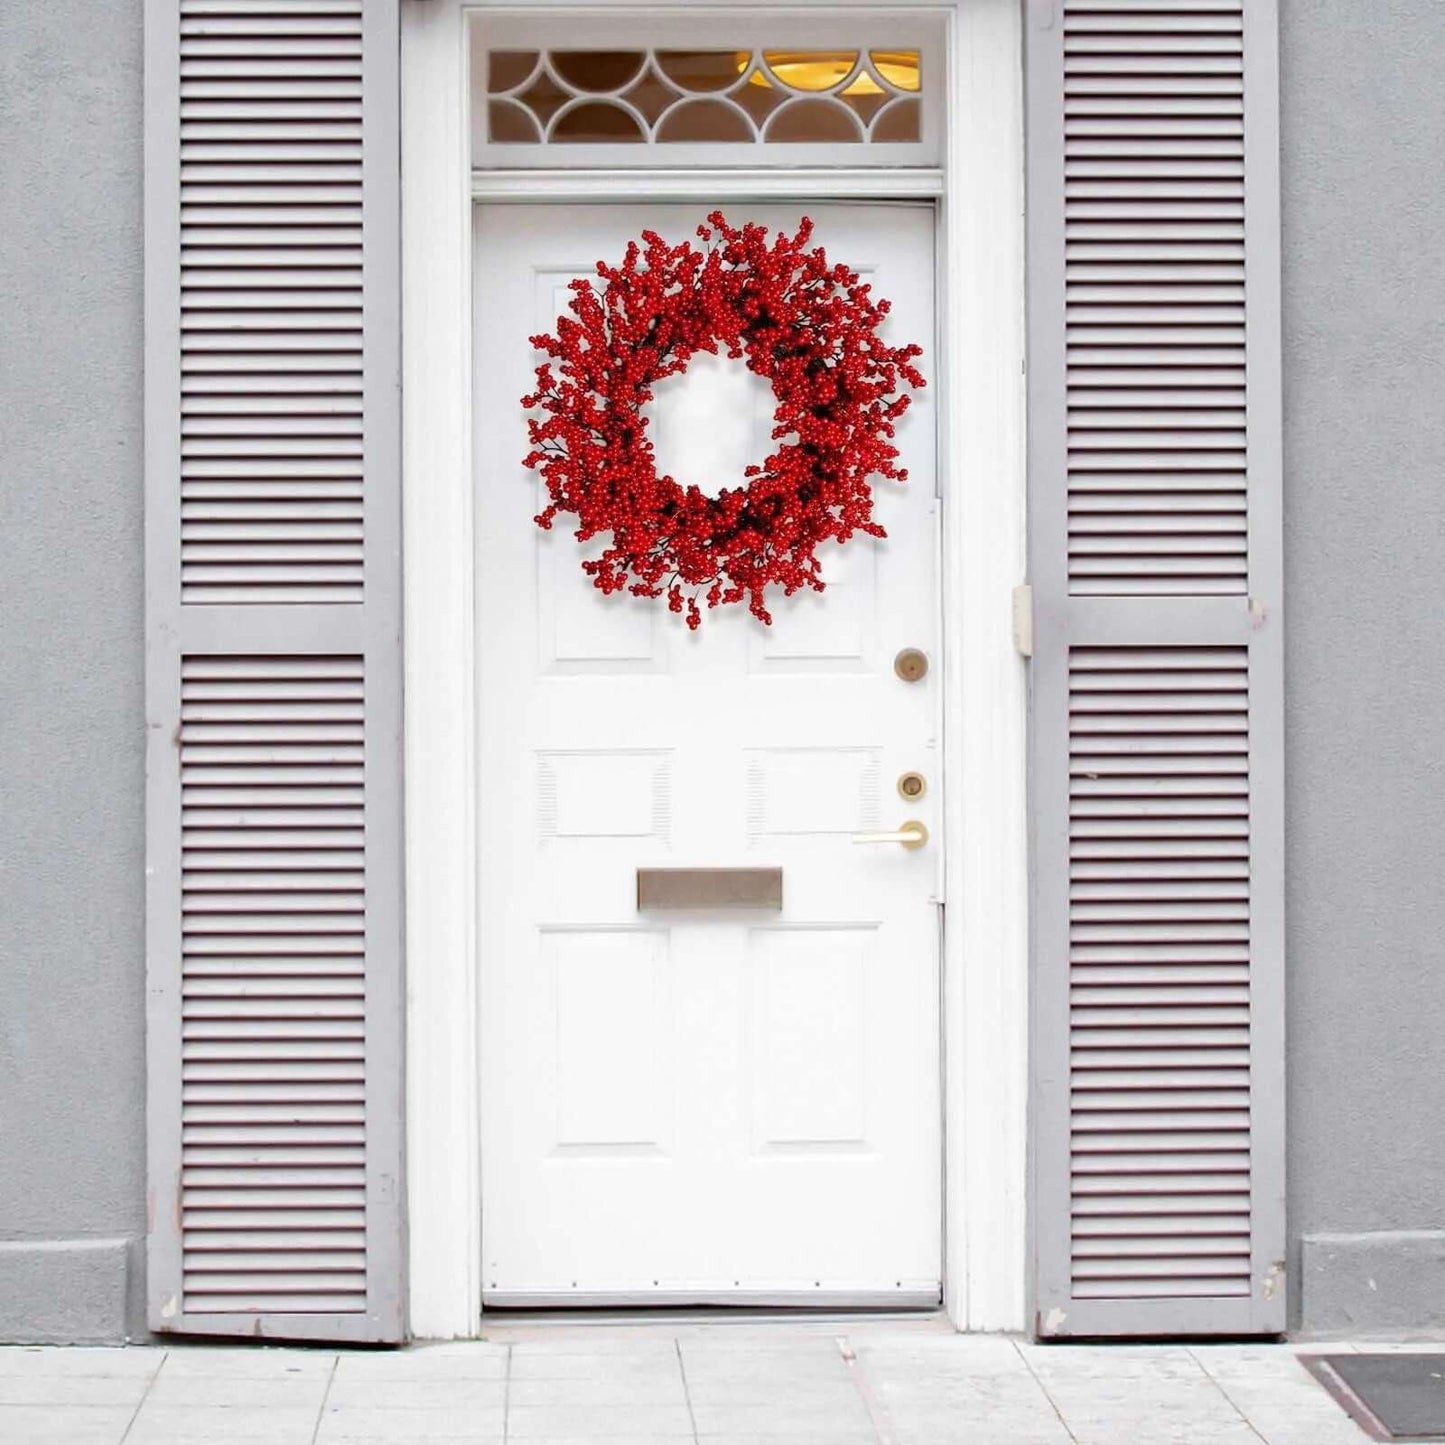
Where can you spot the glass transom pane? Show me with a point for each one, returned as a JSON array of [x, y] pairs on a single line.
[[786, 100]]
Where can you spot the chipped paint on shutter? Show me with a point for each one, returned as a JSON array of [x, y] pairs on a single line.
[[273, 669], [1156, 770]]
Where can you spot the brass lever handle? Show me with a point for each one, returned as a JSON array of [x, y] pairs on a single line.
[[911, 834]]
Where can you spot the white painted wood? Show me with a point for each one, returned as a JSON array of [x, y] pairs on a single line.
[[711, 184], [985, 960], [986, 936], [706, 1105], [441, 1056]]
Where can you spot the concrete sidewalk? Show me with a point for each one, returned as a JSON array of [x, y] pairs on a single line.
[[845, 1383]]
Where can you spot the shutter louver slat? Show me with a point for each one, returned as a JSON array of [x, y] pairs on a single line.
[[282, 1135], [253, 86], [1193, 784], [1131, 55], [1155, 571]]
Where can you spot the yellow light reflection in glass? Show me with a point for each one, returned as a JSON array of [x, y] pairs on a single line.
[[819, 70], [898, 67]]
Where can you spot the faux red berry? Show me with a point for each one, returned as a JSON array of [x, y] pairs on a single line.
[[809, 327]]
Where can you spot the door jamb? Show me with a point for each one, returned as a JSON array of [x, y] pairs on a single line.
[[981, 470]]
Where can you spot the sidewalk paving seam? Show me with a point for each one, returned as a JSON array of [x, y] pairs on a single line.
[[145, 1395], [1219, 1385], [325, 1396], [507, 1398], [686, 1393], [1044, 1390], [878, 1415]]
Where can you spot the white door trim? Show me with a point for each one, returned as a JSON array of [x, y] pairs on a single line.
[[982, 470], [783, 183]]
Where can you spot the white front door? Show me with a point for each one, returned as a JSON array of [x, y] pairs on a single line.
[[707, 1104]]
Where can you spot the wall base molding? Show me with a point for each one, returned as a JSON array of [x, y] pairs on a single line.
[[64, 1291], [1385, 1283]]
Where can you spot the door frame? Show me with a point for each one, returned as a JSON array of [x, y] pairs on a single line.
[[980, 366]]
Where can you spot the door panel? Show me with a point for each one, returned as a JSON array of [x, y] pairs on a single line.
[[722, 1105]]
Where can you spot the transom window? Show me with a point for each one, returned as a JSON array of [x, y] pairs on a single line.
[[814, 89]]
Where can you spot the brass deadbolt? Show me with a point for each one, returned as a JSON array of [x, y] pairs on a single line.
[[912, 785], [911, 664]]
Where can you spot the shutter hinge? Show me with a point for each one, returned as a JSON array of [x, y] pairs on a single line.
[[1024, 619]]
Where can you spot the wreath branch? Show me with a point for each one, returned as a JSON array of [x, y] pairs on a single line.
[[809, 327]]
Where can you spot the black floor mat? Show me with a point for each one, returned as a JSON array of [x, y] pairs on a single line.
[[1395, 1396]]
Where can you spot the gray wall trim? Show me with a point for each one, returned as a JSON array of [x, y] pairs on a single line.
[[1384, 1284], [64, 1291]]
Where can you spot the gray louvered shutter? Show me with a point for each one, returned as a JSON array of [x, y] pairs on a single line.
[[273, 668], [1154, 556]]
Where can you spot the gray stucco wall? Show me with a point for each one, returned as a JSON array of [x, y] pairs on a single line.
[[72, 1140], [1364, 332], [1364, 291]]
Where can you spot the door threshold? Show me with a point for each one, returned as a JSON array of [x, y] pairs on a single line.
[[502, 1326], [726, 1301]]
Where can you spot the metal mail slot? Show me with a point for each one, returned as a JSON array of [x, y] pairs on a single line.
[[709, 887]]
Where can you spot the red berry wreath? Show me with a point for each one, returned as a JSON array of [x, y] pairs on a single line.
[[807, 326]]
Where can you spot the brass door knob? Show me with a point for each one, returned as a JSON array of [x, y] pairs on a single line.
[[911, 664]]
